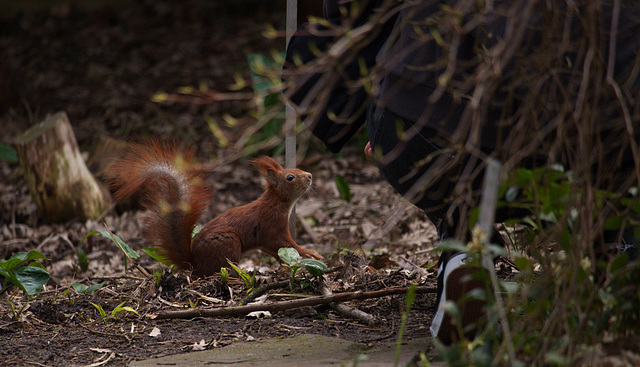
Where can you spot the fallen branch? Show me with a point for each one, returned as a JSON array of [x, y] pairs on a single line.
[[286, 305], [345, 310]]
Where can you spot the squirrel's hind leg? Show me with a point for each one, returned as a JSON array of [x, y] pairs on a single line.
[[211, 249]]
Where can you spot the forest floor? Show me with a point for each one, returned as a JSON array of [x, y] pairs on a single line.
[[102, 68]]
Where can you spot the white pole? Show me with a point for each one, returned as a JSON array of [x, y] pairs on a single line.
[[290, 116]]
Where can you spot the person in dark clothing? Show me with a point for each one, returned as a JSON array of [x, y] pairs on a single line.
[[444, 85]]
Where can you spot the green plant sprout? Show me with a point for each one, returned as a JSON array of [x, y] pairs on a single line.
[[83, 289], [16, 313], [249, 280], [295, 262], [83, 260], [157, 277], [30, 278], [79, 288], [154, 252], [224, 275], [114, 314]]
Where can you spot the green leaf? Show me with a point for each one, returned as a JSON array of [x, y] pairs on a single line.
[[248, 280], [31, 279], [83, 261], [523, 177], [6, 273], [293, 267], [83, 289], [100, 311], [156, 254], [11, 276], [128, 309], [613, 223], [93, 287], [20, 257], [38, 265], [8, 153], [619, 262], [411, 297], [28, 278], [10, 263], [117, 240], [289, 255], [121, 308], [79, 287], [314, 267], [343, 189]]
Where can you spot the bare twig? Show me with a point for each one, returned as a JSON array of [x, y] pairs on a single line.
[[286, 305], [207, 98], [262, 290]]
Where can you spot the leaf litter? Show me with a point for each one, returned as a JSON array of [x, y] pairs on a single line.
[[60, 326]]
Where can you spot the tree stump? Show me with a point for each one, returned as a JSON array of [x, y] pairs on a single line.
[[58, 179]]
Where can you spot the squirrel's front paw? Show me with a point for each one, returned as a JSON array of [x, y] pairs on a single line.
[[310, 253]]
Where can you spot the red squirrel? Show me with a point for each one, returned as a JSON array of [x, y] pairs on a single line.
[[176, 196]]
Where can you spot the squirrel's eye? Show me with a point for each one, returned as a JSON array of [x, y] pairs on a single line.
[[290, 178]]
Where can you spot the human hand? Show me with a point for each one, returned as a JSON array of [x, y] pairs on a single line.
[[367, 149]]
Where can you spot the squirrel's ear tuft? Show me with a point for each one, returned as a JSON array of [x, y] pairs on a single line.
[[265, 163]]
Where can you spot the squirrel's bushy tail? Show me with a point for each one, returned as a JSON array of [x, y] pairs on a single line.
[[172, 190]]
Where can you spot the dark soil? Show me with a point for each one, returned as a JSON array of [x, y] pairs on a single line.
[[102, 68]]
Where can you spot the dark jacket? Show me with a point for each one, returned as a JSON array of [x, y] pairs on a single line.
[[410, 54]]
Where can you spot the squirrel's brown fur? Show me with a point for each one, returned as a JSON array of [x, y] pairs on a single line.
[[176, 197]]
